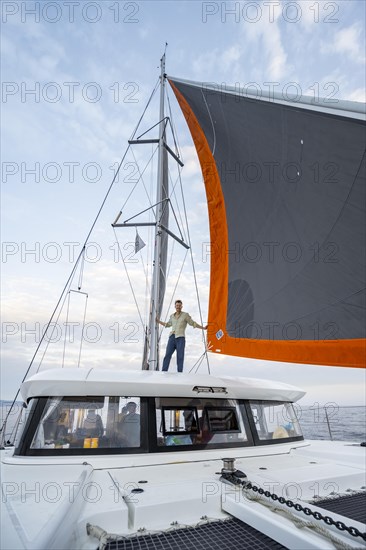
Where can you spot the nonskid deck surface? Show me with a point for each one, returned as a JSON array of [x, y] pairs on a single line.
[[350, 506], [229, 534]]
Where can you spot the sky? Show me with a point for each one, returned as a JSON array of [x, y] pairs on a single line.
[[76, 77]]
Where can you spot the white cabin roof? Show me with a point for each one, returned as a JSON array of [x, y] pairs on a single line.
[[82, 382]]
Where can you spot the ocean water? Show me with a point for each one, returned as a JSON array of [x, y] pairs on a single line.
[[329, 422], [333, 422], [12, 425]]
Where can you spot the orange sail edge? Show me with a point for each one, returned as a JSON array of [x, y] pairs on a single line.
[[330, 353], [219, 274], [337, 353]]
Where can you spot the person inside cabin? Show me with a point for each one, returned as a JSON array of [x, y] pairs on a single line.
[[122, 415], [93, 424], [205, 434], [119, 427], [129, 428], [190, 422], [280, 433], [62, 425], [56, 425], [178, 322]]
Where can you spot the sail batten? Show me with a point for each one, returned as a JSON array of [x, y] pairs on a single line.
[[286, 197]]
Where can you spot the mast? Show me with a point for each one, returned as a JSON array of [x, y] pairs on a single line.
[[153, 363]]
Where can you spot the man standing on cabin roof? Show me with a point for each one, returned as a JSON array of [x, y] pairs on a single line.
[[177, 341]]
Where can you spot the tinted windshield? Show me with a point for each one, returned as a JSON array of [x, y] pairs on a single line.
[[199, 421], [89, 422], [275, 420]]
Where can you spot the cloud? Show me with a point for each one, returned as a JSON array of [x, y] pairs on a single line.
[[191, 164], [358, 95], [219, 61], [266, 36], [348, 42]]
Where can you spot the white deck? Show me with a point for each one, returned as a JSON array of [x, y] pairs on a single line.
[[66, 493]]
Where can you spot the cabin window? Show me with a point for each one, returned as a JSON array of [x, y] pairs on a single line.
[[222, 419], [89, 423], [179, 420], [201, 421], [275, 420]]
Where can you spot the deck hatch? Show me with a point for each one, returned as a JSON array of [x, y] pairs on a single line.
[[228, 534]]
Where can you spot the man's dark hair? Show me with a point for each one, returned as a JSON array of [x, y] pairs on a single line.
[[178, 302]]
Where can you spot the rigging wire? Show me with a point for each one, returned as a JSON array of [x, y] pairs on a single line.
[[194, 273], [150, 235], [13, 434], [198, 363], [82, 329], [212, 124], [149, 256], [179, 154], [66, 325], [140, 177], [70, 278], [146, 107], [129, 279], [14, 431], [151, 213], [171, 121], [175, 288], [171, 194], [53, 328], [142, 260], [171, 259], [189, 239], [81, 274], [165, 120]]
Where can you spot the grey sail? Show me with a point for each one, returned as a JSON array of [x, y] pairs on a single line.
[[285, 185]]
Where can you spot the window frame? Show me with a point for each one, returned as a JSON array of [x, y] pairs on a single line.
[[155, 448], [224, 408], [253, 429], [24, 447], [149, 431], [179, 432]]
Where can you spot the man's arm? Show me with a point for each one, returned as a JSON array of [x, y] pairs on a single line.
[[168, 324], [199, 326], [194, 324]]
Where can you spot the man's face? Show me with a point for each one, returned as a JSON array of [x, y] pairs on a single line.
[[178, 307]]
